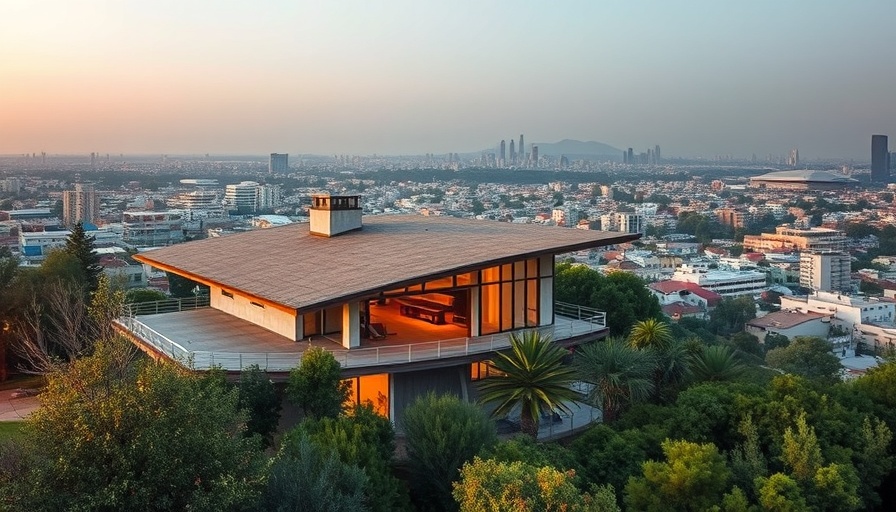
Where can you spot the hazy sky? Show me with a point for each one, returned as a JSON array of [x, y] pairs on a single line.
[[329, 76]]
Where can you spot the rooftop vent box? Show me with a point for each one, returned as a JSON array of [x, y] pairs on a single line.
[[334, 215]]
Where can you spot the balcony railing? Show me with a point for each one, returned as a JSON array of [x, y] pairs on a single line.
[[571, 321], [172, 305]]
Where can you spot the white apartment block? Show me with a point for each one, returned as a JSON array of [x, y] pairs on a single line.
[[726, 283], [826, 271]]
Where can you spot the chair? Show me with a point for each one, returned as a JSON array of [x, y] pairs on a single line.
[[376, 331]]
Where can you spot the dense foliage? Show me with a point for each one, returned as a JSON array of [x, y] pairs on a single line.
[[621, 295], [442, 432]]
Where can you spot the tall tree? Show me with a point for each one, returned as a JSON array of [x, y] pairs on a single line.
[[305, 476], [532, 376], [259, 397], [316, 385], [808, 356], [365, 439], [517, 487], [118, 434], [442, 432], [82, 246], [623, 296], [693, 477], [618, 373]]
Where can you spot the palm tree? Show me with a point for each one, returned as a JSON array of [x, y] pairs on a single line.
[[650, 333], [673, 366], [619, 373], [717, 363], [533, 377]]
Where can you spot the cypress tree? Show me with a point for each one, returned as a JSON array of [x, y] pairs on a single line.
[[80, 245]]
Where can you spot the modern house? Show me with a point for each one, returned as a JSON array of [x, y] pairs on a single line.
[[406, 304]]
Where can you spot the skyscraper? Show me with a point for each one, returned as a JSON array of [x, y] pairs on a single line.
[[503, 153], [512, 153], [656, 153], [80, 205], [880, 165], [522, 150], [534, 156], [631, 156], [279, 163]]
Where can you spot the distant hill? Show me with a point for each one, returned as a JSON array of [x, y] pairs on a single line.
[[577, 148]]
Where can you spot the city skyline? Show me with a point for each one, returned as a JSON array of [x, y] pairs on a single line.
[[701, 79]]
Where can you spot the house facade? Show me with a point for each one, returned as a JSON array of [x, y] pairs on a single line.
[[407, 304]]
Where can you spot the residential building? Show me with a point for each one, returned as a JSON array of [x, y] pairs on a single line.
[[151, 229], [828, 271], [790, 323], [679, 297], [34, 246], [793, 239], [241, 195], [80, 205], [279, 162], [880, 159], [407, 304], [623, 222], [727, 283], [731, 217], [869, 320], [267, 197]]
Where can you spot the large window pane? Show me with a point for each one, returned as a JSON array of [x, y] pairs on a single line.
[[506, 306], [531, 302], [532, 267], [507, 272], [490, 309], [491, 275], [519, 304]]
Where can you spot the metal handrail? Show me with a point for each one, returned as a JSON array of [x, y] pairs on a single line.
[[581, 320], [171, 305]]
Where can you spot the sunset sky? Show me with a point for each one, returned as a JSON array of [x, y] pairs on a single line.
[[410, 77]]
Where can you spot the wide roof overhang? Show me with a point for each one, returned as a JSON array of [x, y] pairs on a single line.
[[292, 270]]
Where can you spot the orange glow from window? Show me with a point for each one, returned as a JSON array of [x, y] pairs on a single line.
[[372, 389]]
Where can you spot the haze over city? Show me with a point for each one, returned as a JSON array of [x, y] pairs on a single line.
[[699, 78]]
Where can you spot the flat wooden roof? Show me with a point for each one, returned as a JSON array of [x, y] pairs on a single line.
[[289, 267]]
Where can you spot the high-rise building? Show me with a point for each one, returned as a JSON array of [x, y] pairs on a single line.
[[80, 205], [631, 156], [522, 150], [503, 153], [279, 163], [880, 156], [512, 153], [656, 153], [241, 195], [826, 271], [534, 156]]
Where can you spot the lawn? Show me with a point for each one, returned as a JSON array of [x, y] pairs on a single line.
[[10, 430]]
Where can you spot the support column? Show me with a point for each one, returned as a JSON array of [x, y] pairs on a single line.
[[300, 327], [474, 319], [351, 325], [546, 289]]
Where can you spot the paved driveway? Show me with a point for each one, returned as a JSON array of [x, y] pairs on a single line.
[[15, 409]]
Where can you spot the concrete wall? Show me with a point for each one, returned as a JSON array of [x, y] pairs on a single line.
[[333, 222], [270, 318]]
